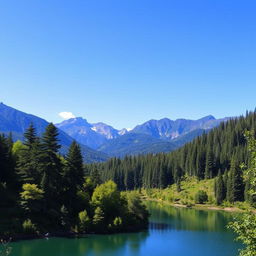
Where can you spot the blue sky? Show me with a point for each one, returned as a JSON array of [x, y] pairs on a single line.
[[127, 61]]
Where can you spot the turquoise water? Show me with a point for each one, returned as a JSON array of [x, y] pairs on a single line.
[[172, 231]]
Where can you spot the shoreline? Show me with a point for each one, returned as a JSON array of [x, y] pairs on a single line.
[[200, 206], [68, 235]]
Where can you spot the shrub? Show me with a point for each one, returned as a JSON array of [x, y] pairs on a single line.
[[29, 227], [84, 221], [117, 221], [201, 197], [117, 224]]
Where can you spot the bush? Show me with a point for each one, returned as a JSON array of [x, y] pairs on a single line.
[[117, 224], [201, 197], [84, 221], [29, 227], [99, 219], [117, 221]]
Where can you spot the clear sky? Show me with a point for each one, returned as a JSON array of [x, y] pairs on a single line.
[[124, 62]]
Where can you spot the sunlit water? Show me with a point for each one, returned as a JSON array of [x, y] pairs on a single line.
[[172, 231]]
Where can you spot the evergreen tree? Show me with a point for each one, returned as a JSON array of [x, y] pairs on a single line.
[[28, 162], [30, 136], [235, 186], [209, 168], [220, 189], [225, 182], [7, 173], [50, 168], [246, 225], [73, 177]]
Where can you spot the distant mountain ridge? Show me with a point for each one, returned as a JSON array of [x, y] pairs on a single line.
[[152, 136], [16, 122], [99, 141], [92, 135], [135, 144], [168, 129]]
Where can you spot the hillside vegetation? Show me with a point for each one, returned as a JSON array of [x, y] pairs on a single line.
[[217, 153]]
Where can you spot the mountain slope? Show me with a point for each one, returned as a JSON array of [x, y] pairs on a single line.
[[134, 144], [92, 135], [220, 150], [167, 129], [15, 121], [156, 133]]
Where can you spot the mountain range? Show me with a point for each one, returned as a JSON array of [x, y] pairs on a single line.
[[16, 122], [99, 141], [153, 136]]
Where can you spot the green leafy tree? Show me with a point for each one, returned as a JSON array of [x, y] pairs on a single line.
[[245, 227], [99, 220], [31, 199], [138, 212], [29, 227], [107, 197], [84, 221]]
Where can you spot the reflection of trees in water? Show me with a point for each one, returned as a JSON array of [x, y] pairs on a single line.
[[159, 226], [187, 219], [94, 245], [97, 245], [163, 218]]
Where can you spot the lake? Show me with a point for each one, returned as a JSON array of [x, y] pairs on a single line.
[[172, 231]]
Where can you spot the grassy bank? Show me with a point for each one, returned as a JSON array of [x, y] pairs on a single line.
[[185, 196]]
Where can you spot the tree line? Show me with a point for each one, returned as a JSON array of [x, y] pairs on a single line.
[[42, 191], [216, 154]]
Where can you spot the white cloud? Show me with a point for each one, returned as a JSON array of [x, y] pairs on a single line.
[[66, 115]]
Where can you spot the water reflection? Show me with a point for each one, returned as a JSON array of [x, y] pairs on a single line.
[[95, 245], [172, 231], [166, 217]]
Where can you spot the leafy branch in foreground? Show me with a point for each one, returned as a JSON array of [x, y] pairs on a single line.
[[5, 249], [245, 226]]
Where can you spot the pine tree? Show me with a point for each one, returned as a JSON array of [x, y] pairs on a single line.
[[73, 177], [75, 164], [235, 186], [220, 189], [200, 167], [209, 168], [50, 169], [225, 181], [30, 136], [28, 163], [7, 173]]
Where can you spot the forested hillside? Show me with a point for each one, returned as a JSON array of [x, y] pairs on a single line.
[[42, 191], [221, 151]]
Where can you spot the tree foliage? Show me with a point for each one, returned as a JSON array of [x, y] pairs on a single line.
[[47, 192], [245, 226], [201, 197]]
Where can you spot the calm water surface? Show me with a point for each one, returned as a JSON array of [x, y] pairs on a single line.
[[172, 231]]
